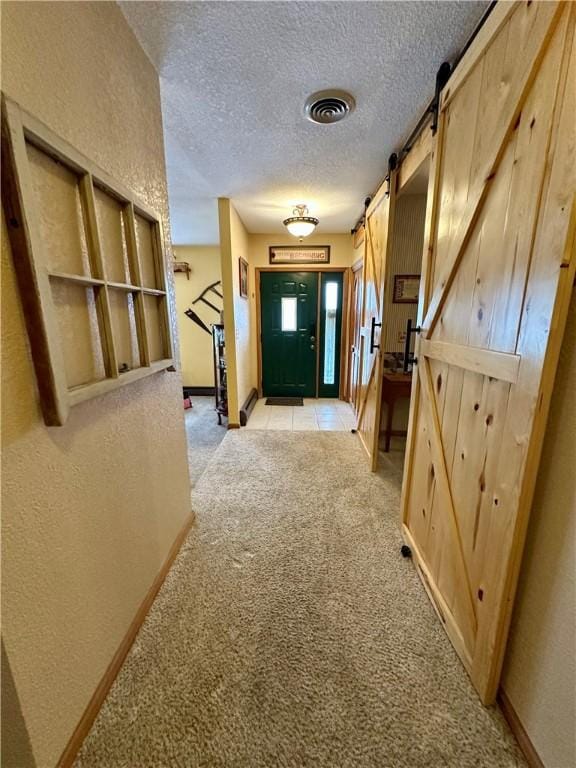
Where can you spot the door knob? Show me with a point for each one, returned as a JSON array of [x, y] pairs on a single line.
[[312, 346], [312, 338]]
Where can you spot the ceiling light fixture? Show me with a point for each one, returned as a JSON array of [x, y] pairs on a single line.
[[300, 224]]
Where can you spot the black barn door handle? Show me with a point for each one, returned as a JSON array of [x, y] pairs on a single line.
[[409, 331], [372, 331]]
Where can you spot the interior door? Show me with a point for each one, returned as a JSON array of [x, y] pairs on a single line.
[[289, 309], [355, 330], [379, 226], [497, 276]]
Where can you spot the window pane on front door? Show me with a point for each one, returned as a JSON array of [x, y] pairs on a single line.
[[289, 313], [330, 309]]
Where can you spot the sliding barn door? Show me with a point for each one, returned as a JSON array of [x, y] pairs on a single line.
[[378, 227], [498, 274], [355, 330]]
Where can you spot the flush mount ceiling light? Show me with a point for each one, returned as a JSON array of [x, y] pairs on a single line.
[[300, 224], [327, 107]]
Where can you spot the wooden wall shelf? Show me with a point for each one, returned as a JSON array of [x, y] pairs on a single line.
[[182, 266]]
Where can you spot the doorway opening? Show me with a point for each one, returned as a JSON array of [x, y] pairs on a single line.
[[300, 317], [401, 311], [199, 303], [385, 299]]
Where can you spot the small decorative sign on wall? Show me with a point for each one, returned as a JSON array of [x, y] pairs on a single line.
[[299, 254], [406, 289]]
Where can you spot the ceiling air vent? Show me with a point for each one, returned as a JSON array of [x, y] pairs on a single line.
[[328, 106]]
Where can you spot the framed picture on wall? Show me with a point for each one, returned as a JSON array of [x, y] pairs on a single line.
[[243, 265], [406, 289]]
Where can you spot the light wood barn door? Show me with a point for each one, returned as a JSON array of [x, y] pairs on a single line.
[[497, 276], [377, 239], [355, 330]]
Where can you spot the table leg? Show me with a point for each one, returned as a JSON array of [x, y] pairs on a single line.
[[389, 415]]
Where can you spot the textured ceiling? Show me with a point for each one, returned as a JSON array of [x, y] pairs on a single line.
[[235, 76]]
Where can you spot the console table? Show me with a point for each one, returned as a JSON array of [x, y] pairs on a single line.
[[394, 387]]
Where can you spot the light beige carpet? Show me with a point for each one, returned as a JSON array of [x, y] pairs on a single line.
[[203, 434], [291, 633]]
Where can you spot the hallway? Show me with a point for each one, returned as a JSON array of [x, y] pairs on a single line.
[[203, 435], [369, 201], [290, 632]]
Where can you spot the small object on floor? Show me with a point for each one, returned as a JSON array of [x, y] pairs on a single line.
[[284, 401], [405, 551], [187, 403]]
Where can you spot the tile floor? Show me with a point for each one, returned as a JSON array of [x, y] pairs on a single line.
[[324, 414]]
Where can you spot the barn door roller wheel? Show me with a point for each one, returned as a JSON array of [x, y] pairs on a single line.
[[405, 551]]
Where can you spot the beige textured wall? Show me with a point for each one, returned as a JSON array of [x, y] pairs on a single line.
[[233, 246], [540, 668], [341, 255], [195, 344], [241, 247], [89, 510], [341, 248]]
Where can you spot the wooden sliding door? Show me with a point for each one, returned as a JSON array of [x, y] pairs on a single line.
[[379, 226], [497, 277], [355, 328]]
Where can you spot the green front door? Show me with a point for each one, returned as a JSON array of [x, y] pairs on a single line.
[[289, 306]]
